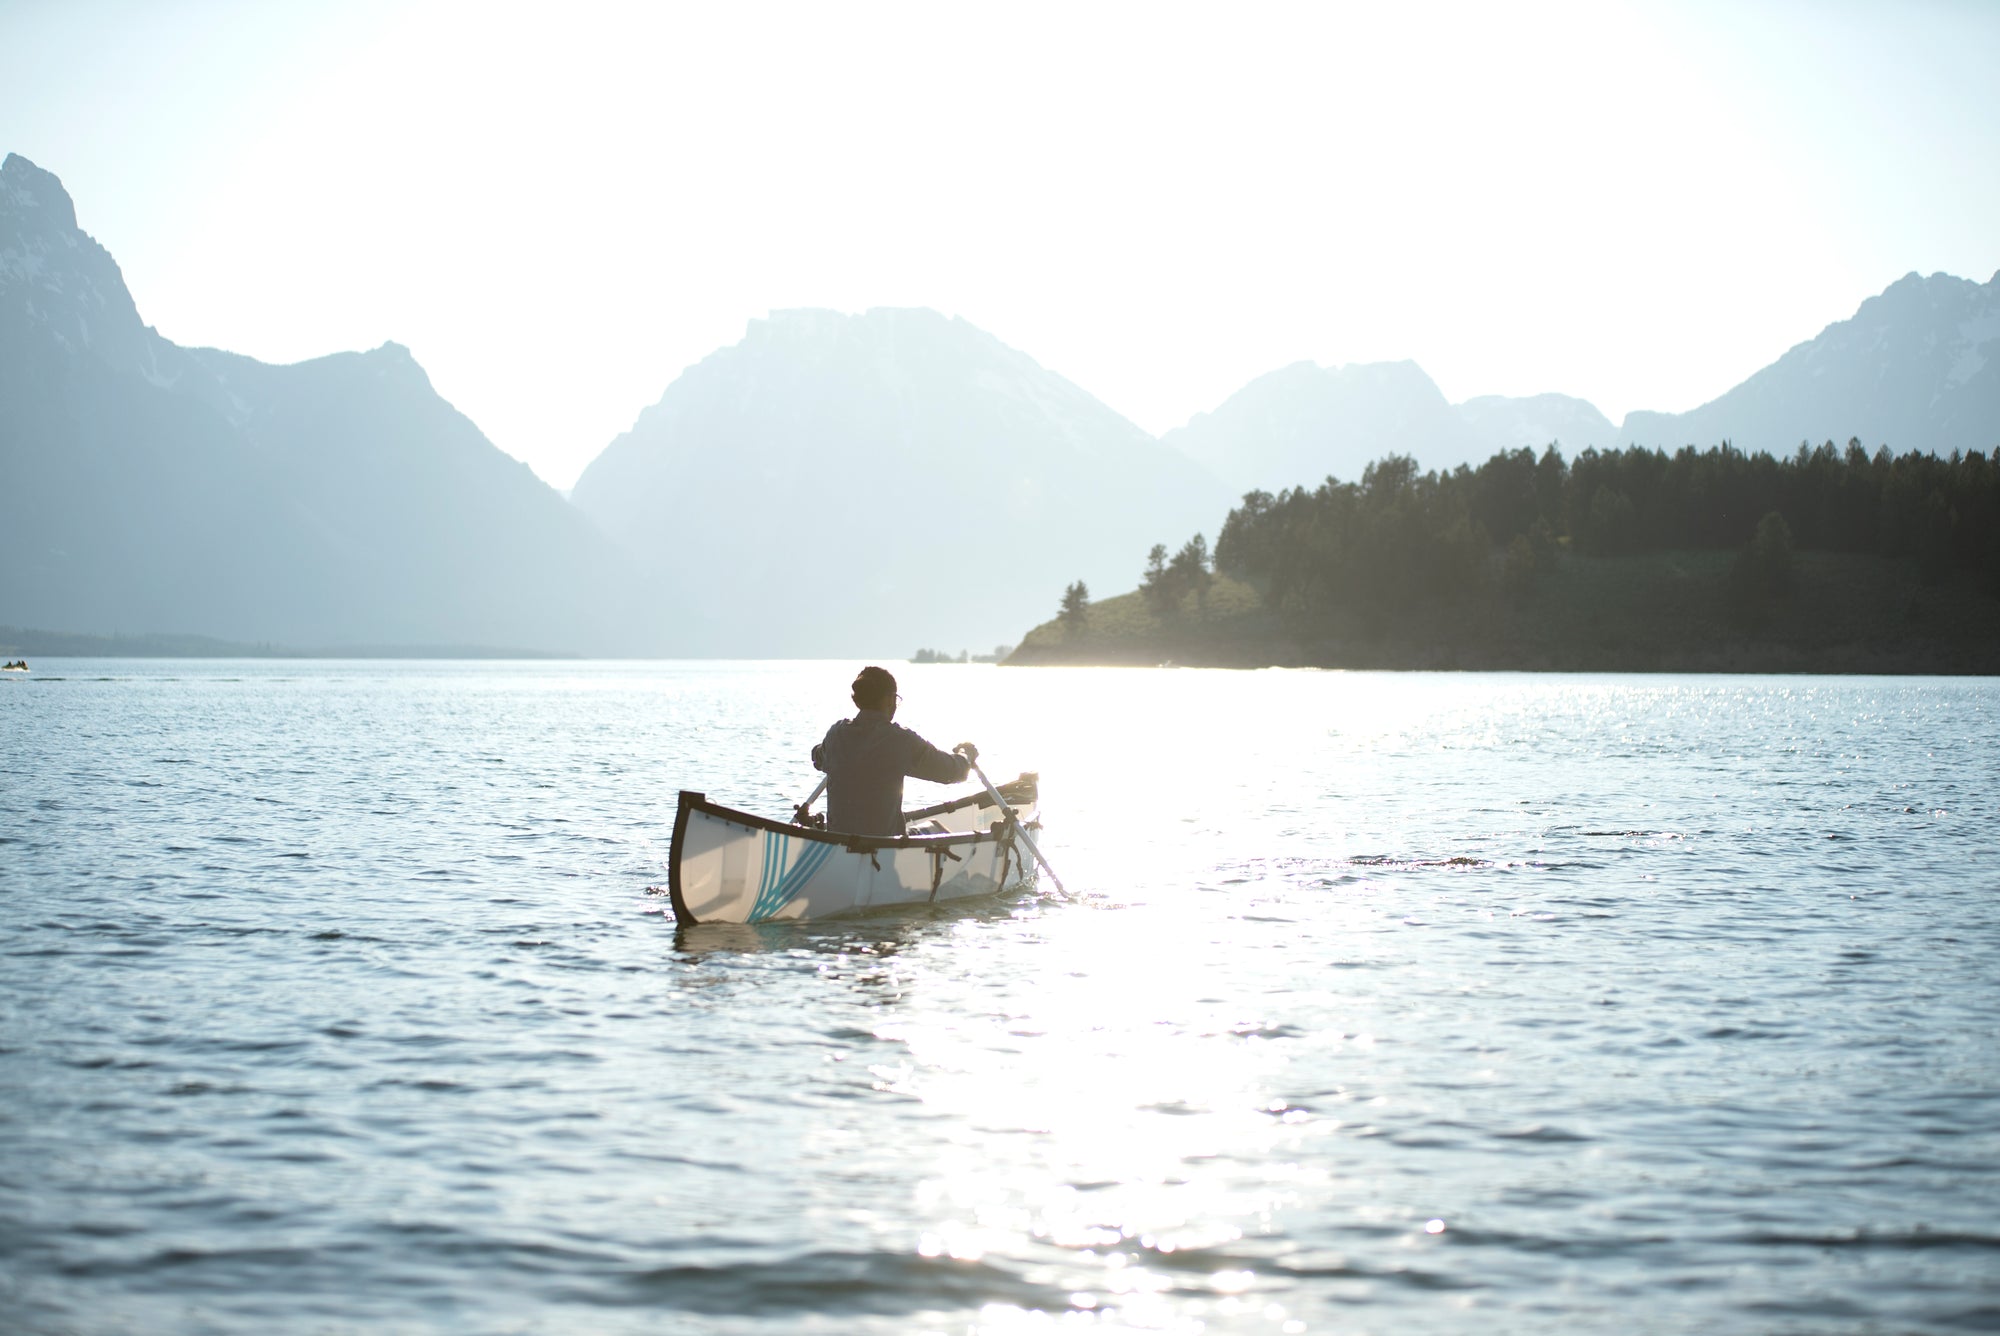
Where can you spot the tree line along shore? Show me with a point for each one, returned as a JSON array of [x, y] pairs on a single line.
[[1829, 560]]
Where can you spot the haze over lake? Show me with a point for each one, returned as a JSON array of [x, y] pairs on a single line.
[[333, 997], [521, 415]]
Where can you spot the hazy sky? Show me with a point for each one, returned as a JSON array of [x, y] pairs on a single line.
[[558, 207]]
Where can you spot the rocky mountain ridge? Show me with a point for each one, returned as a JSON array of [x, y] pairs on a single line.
[[831, 484], [1917, 367], [1299, 424], [150, 487], [831, 477]]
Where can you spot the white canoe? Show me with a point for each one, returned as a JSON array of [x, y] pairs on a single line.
[[728, 866]]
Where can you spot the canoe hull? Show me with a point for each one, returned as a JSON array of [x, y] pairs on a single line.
[[728, 866]]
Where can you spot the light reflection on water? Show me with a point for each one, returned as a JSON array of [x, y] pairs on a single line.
[[332, 996]]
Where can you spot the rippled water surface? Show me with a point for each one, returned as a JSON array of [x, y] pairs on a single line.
[[332, 998]]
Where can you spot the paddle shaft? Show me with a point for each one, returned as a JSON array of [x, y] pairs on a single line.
[[812, 797], [1020, 829]]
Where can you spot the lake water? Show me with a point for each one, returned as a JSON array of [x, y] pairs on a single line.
[[332, 998]]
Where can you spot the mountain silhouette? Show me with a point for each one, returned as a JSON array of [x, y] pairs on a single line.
[[150, 487], [1302, 423], [836, 483], [1501, 422], [1917, 367], [830, 485]]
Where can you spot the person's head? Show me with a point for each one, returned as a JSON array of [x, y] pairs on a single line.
[[875, 689]]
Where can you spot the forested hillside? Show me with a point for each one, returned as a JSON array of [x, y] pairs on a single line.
[[1830, 558]]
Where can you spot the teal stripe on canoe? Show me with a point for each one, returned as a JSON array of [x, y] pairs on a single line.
[[774, 857], [779, 884]]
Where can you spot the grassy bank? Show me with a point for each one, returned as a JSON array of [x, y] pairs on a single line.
[[1658, 612]]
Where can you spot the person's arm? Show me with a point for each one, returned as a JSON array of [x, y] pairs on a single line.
[[819, 751], [939, 767]]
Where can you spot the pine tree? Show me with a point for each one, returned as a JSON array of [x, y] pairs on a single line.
[[1075, 605]]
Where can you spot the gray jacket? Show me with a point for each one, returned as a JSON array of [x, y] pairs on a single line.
[[865, 759]]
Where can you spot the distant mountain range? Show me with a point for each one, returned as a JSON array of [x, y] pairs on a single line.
[[1297, 425], [832, 478], [146, 487], [832, 484], [1916, 368]]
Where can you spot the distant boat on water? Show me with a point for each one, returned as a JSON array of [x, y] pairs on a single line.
[[16, 666]]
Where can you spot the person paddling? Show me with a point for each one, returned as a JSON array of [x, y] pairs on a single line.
[[866, 759]]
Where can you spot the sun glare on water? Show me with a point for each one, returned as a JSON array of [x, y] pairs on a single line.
[[1111, 1120]]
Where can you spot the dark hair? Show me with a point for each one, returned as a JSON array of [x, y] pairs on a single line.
[[874, 688]]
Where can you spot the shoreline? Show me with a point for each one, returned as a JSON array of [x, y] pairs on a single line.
[[1658, 613]]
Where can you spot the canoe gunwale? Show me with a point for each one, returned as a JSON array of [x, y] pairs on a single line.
[[977, 798], [691, 802], [858, 844]]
